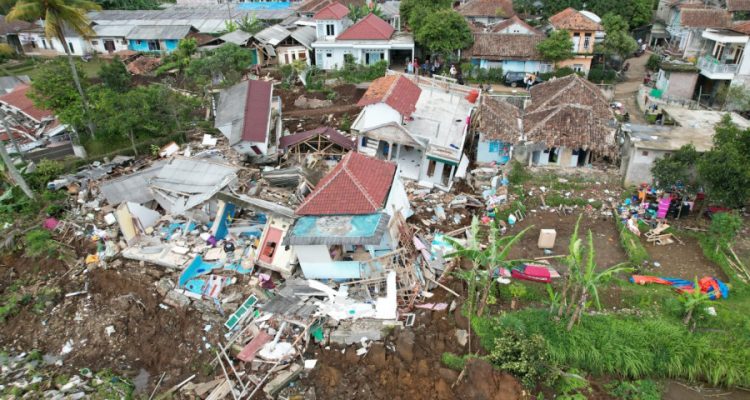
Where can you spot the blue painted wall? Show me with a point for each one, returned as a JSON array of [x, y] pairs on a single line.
[[510, 65], [170, 45], [138, 47], [332, 270], [489, 151]]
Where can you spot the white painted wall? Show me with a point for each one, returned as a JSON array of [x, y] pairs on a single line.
[[338, 27], [291, 54], [516, 28], [378, 114], [79, 46], [639, 165], [97, 44], [398, 200]]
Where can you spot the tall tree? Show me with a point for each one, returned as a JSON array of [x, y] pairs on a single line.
[[227, 63], [413, 12], [53, 89], [250, 24], [725, 169], [444, 32], [115, 75], [558, 46], [358, 12], [59, 15], [617, 39]]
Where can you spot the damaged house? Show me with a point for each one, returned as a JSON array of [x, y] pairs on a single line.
[[249, 116], [345, 224], [422, 126], [37, 132], [281, 45], [567, 123]]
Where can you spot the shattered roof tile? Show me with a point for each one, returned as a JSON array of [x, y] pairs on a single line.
[[357, 185], [19, 99], [398, 92]]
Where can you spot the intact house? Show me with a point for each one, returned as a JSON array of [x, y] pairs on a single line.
[[10, 30], [249, 116], [279, 45], [676, 80], [110, 38], [641, 145], [512, 47], [422, 125], [347, 222], [685, 25], [157, 38], [567, 123], [486, 12], [585, 30], [368, 41], [34, 42], [37, 132], [389, 9]]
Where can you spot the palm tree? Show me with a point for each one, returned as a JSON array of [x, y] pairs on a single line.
[[58, 15]]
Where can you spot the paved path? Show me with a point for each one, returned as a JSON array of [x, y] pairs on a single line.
[[625, 92]]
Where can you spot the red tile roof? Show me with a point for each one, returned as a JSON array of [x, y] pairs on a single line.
[[332, 11], [514, 20], [742, 27], [738, 5], [257, 110], [327, 132], [370, 27], [357, 185], [398, 92], [18, 98], [573, 20]]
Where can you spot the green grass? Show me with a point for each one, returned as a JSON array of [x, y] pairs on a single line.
[[637, 253], [453, 361], [633, 347]]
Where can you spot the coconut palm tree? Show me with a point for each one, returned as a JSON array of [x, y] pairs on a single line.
[[59, 15]]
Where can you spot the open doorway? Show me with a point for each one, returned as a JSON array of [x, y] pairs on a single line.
[[553, 155]]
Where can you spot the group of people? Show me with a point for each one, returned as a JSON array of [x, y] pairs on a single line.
[[430, 68]]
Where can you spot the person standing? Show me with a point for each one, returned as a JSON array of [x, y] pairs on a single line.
[[453, 71], [409, 67]]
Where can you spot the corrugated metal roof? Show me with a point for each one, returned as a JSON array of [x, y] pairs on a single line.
[[112, 30], [237, 37], [305, 35], [230, 110], [133, 187], [205, 19], [159, 32], [272, 35]]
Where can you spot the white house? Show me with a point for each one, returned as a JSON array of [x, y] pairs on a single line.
[[34, 42], [110, 38], [421, 125], [368, 41]]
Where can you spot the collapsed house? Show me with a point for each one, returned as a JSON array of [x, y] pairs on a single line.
[[37, 132], [324, 141], [567, 123], [249, 116], [420, 124]]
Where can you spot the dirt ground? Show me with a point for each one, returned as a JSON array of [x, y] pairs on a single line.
[[407, 366], [343, 111], [146, 336], [681, 260], [608, 249]]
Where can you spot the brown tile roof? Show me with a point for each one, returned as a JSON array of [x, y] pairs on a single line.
[[13, 26], [357, 185], [571, 19], [499, 120], [398, 92], [570, 112], [515, 20], [571, 89], [742, 27], [313, 6], [705, 18], [570, 125], [505, 46], [738, 5], [487, 8]]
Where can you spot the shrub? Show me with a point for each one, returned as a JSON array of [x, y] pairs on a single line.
[[453, 361], [637, 254], [523, 356], [558, 73], [654, 62], [599, 75], [724, 227], [356, 73], [39, 243], [635, 390], [46, 171], [518, 174], [6, 52]]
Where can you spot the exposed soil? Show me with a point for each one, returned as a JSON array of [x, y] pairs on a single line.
[[343, 111], [407, 365], [346, 95], [146, 336], [681, 260], [605, 235]]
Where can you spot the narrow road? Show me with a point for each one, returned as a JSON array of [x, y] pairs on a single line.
[[625, 91]]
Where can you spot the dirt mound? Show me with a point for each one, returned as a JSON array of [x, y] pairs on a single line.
[[482, 382]]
